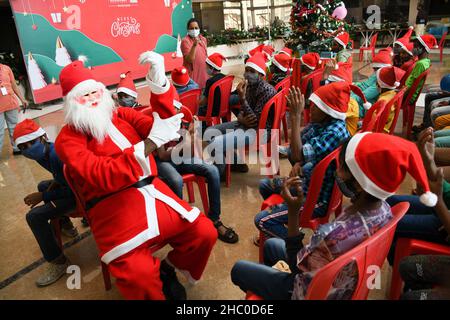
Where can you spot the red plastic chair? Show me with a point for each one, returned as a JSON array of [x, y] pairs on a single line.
[[296, 72], [315, 186], [190, 99], [409, 105], [407, 247], [285, 84], [372, 119], [225, 85], [406, 75], [442, 45], [189, 179], [371, 47], [371, 252], [81, 211], [396, 101], [315, 77]]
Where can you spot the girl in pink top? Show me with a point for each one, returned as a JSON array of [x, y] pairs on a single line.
[[194, 51]]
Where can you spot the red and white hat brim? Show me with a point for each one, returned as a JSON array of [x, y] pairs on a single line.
[[279, 65], [340, 42], [424, 44], [314, 98], [380, 65], [307, 65], [365, 183], [212, 64], [30, 136], [127, 91], [403, 47], [180, 84], [385, 85], [256, 67]]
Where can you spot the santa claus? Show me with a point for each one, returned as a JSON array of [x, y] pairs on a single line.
[[108, 153]]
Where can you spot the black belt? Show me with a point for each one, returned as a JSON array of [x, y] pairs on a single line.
[[142, 183]]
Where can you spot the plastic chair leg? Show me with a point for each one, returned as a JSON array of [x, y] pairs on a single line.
[[190, 189], [106, 277], [285, 129], [203, 194], [262, 240], [410, 121], [227, 175]]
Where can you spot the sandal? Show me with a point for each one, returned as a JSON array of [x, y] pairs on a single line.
[[229, 236]]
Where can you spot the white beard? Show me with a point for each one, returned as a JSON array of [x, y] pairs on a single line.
[[94, 121]]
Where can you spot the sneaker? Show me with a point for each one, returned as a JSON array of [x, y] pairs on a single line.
[[52, 273], [67, 228], [172, 288]]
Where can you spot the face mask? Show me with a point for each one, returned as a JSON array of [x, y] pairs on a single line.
[[347, 191], [209, 71], [251, 77], [127, 102], [194, 33], [36, 151]]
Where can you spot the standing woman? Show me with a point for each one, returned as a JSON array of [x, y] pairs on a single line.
[[194, 51], [9, 106]]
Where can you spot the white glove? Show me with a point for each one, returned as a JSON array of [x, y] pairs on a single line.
[[165, 130], [157, 73]]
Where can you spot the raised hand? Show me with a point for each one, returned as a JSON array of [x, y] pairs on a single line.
[[295, 101], [294, 202]]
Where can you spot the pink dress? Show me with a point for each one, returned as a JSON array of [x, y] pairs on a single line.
[[197, 70]]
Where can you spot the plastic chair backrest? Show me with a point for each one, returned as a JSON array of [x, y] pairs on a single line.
[[315, 77], [406, 75], [274, 104], [225, 84], [441, 43], [396, 101], [190, 99], [296, 72], [315, 185], [371, 252], [418, 83], [188, 116], [283, 84], [371, 122]]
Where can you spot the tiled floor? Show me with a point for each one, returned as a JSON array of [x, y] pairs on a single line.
[[20, 252]]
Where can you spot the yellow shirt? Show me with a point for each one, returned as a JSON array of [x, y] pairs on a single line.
[[352, 116], [387, 96]]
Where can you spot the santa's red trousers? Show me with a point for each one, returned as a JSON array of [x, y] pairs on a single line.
[[137, 272]]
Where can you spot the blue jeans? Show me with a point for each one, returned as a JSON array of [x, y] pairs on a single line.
[[442, 138], [171, 173], [38, 220], [262, 279], [419, 222]]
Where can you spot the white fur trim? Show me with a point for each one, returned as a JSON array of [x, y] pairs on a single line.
[[423, 43], [212, 64], [177, 104], [334, 78], [256, 67], [307, 65], [336, 66], [340, 42], [350, 159], [30, 136], [385, 85], [127, 91], [380, 65], [367, 105], [156, 89], [429, 199], [144, 162], [403, 47], [325, 108], [123, 76], [275, 62]]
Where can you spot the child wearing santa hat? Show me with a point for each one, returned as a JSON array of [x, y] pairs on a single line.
[[181, 80], [126, 93], [339, 46], [358, 177], [403, 51], [280, 68], [57, 198], [214, 64], [422, 48], [327, 130]]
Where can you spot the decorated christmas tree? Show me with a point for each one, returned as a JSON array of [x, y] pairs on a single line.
[[315, 24], [62, 57], [35, 74]]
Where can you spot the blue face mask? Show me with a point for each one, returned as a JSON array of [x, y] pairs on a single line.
[[36, 151], [127, 101]]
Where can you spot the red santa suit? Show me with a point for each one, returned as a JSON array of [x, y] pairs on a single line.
[[129, 221]]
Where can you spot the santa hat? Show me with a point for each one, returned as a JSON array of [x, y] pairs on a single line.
[[357, 90], [180, 77], [27, 130], [216, 61], [333, 98], [382, 59], [343, 72], [389, 51], [286, 51], [405, 41], [379, 162], [282, 61], [343, 38], [259, 48], [428, 41], [390, 77], [126, 85], [257, 62], [311, 60], [75, 76], [268, 51]]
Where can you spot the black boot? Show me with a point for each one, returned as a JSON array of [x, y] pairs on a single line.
[[172, 288]]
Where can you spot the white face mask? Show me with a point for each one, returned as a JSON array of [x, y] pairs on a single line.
[[194, 33]]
